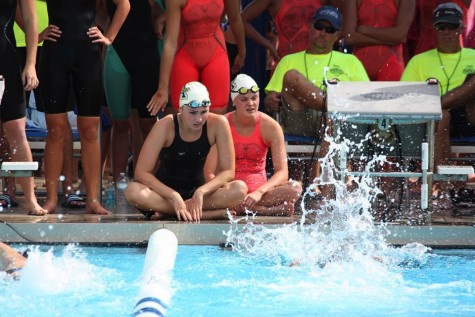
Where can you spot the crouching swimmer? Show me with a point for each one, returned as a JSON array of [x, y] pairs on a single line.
[[254, 134], [180, 144]]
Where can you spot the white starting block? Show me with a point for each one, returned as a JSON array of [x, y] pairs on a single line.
[[18, 169], [454, 170], [386, 104]]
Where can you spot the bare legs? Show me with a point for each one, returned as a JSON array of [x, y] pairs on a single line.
[[280, 201], [140, 128], [20, 152], [90, 158], [8, 182], [300, 93], [214, 205]]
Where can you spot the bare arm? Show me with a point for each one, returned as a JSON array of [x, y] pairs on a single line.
[[460, 96], [359, 35], [221, 135], [121, 12], [28, 15], [249, 14], [273, 101], [158, 18], [159, 137], [231, 8], [160, 98], [398, 33], [272, 134]]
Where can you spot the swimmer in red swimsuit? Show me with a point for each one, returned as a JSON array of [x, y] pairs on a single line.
[[195, 50], [377, 30]]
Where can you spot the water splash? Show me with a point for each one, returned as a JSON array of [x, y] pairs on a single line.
[[339, 231]]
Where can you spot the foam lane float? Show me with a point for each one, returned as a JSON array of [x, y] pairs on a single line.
[[155, 290]]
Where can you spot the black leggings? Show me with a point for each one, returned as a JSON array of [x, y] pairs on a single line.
[[76, 63]]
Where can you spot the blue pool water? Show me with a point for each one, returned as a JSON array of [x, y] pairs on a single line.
[[211, 281]]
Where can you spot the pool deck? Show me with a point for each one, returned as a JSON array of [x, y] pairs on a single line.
[[129, 227]]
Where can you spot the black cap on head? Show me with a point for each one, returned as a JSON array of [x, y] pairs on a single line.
[[448, 13], [330, 14]]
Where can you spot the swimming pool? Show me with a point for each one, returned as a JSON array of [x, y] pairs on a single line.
[[211, 281]]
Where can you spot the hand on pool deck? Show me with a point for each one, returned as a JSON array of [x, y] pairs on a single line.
[[218, 214]]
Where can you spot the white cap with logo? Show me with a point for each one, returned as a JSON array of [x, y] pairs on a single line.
[[194, 94], [242, 84]]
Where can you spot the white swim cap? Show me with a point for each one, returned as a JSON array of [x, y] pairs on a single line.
[[194, 94], [242, 84]]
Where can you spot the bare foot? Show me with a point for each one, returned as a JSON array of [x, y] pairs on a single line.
[[36, 210], [50, 206], [96, 208], [286, 209]]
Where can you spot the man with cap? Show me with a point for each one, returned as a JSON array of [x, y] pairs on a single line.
[[254, 133], [297, 87], [180, 144], [453, 67]]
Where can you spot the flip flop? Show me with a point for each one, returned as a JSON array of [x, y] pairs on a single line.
[[6, 201], [73, 201]]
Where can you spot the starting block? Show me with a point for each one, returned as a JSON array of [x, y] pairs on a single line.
[[18, 169]]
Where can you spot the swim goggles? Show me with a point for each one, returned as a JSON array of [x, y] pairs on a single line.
[[195, 104], [244, 90]]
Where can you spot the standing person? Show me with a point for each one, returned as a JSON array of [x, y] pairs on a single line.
[[452, 66], [131, 69], [195, 50], [180, 143], [253, 134], [377, 30], [12, 107], [297, 87], [290, 19], [72, 56]]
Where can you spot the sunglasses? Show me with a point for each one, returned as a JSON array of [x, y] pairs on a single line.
[[320, 27], [195, 104], [244, 90], [446, 26]]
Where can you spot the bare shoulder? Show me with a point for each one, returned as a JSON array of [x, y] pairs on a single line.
[[217, 120], [163, 127], [269, 123], [271, 129], [165, 122], [175, 4]]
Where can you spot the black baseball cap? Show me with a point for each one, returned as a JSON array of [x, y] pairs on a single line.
[[448, 13], [330, 14]]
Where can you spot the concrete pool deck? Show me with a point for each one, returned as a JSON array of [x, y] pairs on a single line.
[[129, 227]]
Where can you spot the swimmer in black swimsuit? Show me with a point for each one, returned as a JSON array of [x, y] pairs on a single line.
[[12, 107], [11, 261], [72, 56], [181, 143]]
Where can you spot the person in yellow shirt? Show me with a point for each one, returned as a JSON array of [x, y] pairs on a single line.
[[297, 87], [453, 67]]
